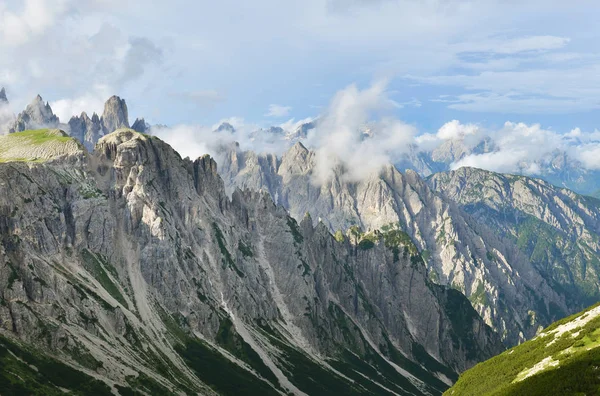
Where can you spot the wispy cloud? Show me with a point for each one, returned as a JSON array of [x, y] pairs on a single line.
[[514, 45], [276, 110]]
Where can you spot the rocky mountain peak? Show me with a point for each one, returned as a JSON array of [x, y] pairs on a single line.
[[275, 130], [37, 114], [115, 114], [225, 127], [3, 98], [140, 125]]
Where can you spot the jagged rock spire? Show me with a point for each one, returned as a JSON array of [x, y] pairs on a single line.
[[140, 125], [3, 98], [115, 114]]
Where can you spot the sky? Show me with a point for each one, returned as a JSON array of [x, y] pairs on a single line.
[[268, 62]]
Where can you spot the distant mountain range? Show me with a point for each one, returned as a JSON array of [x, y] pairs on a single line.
[[557, 167]]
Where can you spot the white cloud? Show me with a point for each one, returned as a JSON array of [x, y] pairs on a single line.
[[291, 124], [7, 118], [277, 111], [515, 45], [32, 19], [589, 155], [92, 102], [338, 136], [452, 130], [455, 130], [519, 147]]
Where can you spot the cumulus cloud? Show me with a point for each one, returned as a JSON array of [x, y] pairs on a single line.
[[519, 149], [589, 155], [189, 140], [339, 136], [455, 130], [452, 130], [276, 110]]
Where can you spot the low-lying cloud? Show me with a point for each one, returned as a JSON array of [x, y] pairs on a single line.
[[7, 118]]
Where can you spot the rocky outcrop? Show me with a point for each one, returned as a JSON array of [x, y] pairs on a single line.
[[3, 98], [134, 265], [115, 115], [36, 115], [87, 130], [90, 130]]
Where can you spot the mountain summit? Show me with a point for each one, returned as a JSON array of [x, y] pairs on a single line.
[[37, 114], [115, 114]]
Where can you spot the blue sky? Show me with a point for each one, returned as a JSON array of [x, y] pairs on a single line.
[[266, 61]]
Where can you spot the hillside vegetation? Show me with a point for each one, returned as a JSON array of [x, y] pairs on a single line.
[[563, 360]]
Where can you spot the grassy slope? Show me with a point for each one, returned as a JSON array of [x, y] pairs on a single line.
[[572, 347], [36, 145]]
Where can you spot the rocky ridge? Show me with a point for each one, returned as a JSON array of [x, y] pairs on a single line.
[[556, 228], [88, 130], [511, 295]]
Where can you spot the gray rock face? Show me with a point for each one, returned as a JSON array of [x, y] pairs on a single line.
[[128, 261], [90, 130], [3, 98], [36, 115], [555, 227], [459, 252], [115, 115], [87, 130]]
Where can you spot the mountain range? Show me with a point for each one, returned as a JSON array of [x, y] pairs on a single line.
[[125, 268], [134, 266]]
